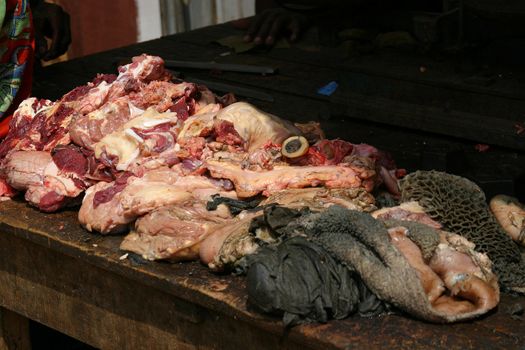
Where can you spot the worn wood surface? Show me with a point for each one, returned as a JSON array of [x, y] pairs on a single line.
[[54, 272], [14, 331]]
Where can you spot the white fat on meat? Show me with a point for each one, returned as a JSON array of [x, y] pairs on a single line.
[[457, 280], [23, 169], [194, 125], [174, 232], [229, 243], [86, 130], [28, 108], [257, 127], [254, 126], [140, 195], [137, 198], [250, 183], [104, 218], [53, 116], [95, 98], [27, 169], [407, 211], [45, 184], [211, 108], [320, 198], [140, 198], [59, 182], [57, 116], [143, 67], [125, 145]]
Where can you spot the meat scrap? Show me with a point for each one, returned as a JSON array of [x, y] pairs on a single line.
[[83, 116], [407, 211], [250, 183], [163, 96], [225, 248], [326, 152], [6, 191], [254, 127], [432, 275], [49, 125], [335, 152], [109, 207], [460, 205], [147, 134], [50, 181], [510, 214], [21, 123], [173, 232], [457, 280], [87, 129], [112, 122], [324, 291], [229, 243], [320, 198]]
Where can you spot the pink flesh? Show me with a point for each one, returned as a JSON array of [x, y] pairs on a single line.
[[250, 183], [452, 269]]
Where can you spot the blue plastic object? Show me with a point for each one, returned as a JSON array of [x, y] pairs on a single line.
[[328, 89]]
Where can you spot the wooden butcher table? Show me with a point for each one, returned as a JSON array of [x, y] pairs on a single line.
[[54, 272]]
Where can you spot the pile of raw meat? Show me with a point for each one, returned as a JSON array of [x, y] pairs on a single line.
[[189, 175], [148, 154]]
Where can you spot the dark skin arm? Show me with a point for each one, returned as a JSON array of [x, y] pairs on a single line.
[[272, 23], [52, 22], [274, 19]]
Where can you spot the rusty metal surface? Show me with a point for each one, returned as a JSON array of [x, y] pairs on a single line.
[[191, 282]]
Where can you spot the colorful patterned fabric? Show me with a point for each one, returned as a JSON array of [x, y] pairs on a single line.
[[17, 48]]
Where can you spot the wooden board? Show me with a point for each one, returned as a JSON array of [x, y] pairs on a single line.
[[53, 271], [14, 331]]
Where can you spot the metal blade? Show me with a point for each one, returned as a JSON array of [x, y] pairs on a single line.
[[243, 68]]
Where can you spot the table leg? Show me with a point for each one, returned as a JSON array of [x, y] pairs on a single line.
[[14, 331]]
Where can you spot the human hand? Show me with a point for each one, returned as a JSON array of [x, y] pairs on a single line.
[[51, 21], [268, 26]]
